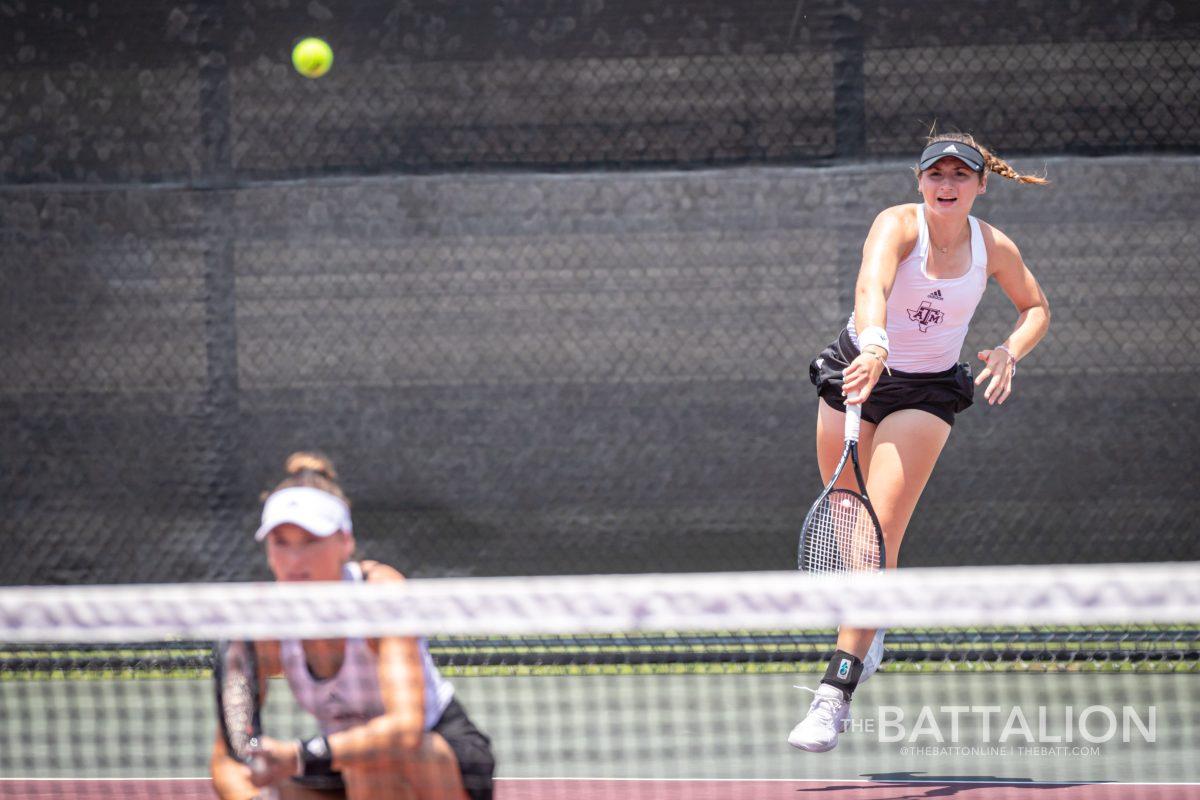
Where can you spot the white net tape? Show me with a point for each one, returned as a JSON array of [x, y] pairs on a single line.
[[1077, 595]]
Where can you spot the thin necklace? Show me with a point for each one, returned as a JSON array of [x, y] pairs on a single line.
[[939, 248]]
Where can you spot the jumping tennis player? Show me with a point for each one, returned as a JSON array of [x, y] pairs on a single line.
[[389, 724], [924, 269]]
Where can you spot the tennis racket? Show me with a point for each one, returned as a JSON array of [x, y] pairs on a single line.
[[841, 532], [235, 669]]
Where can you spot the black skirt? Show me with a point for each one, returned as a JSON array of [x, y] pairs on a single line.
[[942, 394]]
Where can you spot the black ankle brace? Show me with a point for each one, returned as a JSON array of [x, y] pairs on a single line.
[[843, 673]]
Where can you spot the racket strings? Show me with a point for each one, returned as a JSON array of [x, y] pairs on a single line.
[[841, 536]]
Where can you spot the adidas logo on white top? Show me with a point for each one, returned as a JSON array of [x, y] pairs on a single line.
[[936, 294]]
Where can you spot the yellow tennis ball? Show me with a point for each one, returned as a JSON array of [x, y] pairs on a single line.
[[312, 57]]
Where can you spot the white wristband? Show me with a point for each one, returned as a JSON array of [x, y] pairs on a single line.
[[873, 335], [1012, 360]]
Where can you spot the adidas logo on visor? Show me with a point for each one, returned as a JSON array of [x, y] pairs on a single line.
[[950, 149]]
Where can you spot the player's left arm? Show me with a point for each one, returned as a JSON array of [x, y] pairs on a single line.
[[401, 727], [1033, 315]]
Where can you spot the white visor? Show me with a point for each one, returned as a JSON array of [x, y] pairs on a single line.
[[317, 511]]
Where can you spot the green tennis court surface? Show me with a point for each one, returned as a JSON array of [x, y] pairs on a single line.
[[664, 731]]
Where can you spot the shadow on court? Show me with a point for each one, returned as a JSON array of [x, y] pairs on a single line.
[[918, 785]]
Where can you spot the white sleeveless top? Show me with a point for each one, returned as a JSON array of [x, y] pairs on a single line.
[[352, 696], [927, 318]]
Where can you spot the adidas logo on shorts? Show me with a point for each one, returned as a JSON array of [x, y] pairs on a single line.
[[936, 294]]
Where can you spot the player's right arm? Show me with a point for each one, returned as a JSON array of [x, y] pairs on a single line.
[[400, 731], [891, 236], [230, 777]]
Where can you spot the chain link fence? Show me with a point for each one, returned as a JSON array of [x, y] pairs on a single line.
[[545, 281], [204, 91]]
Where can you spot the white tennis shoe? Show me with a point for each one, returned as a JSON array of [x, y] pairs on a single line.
[[827, 717]]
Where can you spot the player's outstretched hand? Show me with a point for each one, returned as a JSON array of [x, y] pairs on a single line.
[[1000, 368]]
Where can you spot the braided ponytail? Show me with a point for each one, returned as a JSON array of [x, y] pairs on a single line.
[[991, 161]]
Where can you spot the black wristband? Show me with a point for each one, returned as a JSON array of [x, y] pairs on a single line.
[[315, 756]]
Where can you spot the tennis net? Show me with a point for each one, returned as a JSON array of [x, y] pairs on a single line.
[[996, 682]]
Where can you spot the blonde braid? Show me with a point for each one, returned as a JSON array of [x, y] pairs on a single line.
[[995, 164], [991, 162]]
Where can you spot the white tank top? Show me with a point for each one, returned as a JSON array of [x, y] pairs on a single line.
[[927, 318], [352, 696]]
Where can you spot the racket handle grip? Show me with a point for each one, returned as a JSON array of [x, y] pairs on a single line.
[[853, 418]]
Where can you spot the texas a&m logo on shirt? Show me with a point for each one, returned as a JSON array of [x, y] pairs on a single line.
[[925, 315]]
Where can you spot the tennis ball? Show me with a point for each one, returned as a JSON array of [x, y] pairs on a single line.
[[312, 57]]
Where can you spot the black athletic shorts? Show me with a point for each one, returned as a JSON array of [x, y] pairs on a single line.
[[942, 394], [470, 745]]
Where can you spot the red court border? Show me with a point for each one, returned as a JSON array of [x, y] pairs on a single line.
[[649, 789]]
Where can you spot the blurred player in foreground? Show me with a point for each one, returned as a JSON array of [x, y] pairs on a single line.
[[389, 724]]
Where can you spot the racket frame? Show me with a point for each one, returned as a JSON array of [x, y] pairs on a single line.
[[220, 649]]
